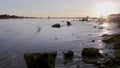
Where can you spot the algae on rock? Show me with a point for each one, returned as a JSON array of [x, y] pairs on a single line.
[[40, 60]]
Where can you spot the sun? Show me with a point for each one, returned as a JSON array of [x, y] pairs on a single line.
[[104, 9]]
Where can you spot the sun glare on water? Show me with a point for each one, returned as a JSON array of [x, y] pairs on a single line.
[[105, 24], [104, 9]]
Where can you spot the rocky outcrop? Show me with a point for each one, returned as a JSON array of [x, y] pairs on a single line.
[[68, 23], [90, 52], [40, 60], [68, 56], [90, 55], [114, 61], [56, 26]]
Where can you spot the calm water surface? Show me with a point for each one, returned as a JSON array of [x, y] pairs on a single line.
[[19, 36]]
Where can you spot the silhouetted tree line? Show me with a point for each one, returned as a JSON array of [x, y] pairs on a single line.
[[6, 16]]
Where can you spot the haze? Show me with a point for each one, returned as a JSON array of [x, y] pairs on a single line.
[[59, 8]]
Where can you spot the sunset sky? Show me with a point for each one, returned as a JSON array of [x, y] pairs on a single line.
[[59, 8]]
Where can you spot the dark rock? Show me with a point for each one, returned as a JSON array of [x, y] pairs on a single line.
[[116, 45], [117, 53], [111, 38], [102, 66], [112, 63], [93, 41], [56, 38], [89, 60], [56, 26], [68, 56], [80, 19], [100, 27], [94, 26], [90, 52], [109, 63], [108, 39], [68, 23], [39, 29], [90, 55], [104, 35], [40, 60], [84, 19], [78, 66]]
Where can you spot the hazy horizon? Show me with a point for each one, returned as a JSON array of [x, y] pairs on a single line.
[[59, 8]]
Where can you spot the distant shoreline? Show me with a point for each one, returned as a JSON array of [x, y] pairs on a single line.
[[6, 16]]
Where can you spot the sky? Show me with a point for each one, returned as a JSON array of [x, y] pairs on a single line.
[[59, 8]]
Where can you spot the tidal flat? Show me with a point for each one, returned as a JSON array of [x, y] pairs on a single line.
[[21, 36]]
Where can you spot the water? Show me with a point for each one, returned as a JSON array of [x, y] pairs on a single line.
[[19, 36]]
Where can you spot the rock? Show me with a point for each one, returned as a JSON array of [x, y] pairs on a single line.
[[116, 45], [104, 35], [63, 21], [40, 60], [102, 66], [109, 63], [90, 52], [111, 38], [78, 66], [108, 39], [112, 63], [68, 23], [90, 55], [84, 19], [100, 27], [117, 53], [56, 26], [93, 41], [94, 26], [116, 61], [56, 38], [68, 56]]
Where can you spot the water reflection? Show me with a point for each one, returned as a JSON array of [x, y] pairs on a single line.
[[105, 31], [105, 24], [100, 46], [108, 28], [111, 28]]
